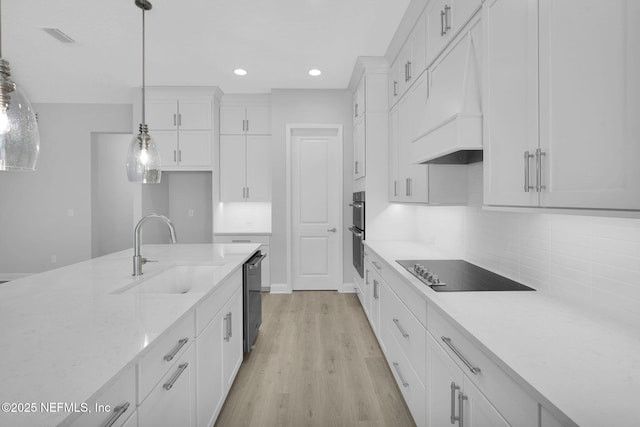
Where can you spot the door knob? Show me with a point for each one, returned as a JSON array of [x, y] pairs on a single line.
[[332, 230]]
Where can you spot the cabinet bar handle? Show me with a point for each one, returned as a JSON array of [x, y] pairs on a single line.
[[179, 119], [226, 327], [175, 158], [175, 120], [454, 387], [474, 370], [395, 188], [375, 264], [247, 125], [461, 399], [174, 378], [241, 241], [527, 156], [402, 380], [409, 70], [539, 154], [356, 167], [447, 18], [169, 357], [442, 31], [376, 285], [400, 328], [406, 185], [366, 277], [179, 156], [395, 88], [117, 413], [230, 324]]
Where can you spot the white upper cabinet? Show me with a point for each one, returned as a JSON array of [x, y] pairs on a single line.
[[359, 147], [359, 101], [181, 123], [245, 119], [577, 147], [590, 103], [245, 168], [510, 104], [444, 19], [409, 63]]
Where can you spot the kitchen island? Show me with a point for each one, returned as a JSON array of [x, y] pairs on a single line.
[[70, 332]]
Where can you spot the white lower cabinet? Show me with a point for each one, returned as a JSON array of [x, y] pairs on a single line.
[[451, 397], [218, 347], [173, 401]]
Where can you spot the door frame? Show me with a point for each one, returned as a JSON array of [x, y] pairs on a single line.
[[291, 128]]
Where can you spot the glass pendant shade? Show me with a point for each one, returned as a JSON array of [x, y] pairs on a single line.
[[19, 136], [143, 159]]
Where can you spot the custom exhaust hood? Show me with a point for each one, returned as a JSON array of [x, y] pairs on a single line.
[[448, 125]]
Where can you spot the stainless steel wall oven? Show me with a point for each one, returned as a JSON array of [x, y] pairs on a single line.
[[252, 299], [358, 231]]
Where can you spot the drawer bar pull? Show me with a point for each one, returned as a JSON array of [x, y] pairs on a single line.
[[174, 378], [396, 366], [454, 388], [474, 370], [117, 413], [400, 328], [169, 357]]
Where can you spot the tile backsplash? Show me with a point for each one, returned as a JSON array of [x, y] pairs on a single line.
[[591, 261]]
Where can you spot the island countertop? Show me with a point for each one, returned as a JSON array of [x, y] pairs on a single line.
[[65, 333]]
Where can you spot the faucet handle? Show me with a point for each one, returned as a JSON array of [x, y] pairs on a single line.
[[144, 260]]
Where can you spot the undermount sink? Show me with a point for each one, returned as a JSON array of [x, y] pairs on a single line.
[[179, 279]]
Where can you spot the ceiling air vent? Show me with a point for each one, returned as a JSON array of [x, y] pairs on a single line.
[[59, 35]]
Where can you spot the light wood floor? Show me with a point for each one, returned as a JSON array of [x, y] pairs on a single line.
[[316, 363]]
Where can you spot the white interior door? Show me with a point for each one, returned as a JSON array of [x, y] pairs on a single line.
[[315, 209]]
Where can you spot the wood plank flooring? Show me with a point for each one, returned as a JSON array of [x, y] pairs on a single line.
[[316, 363]]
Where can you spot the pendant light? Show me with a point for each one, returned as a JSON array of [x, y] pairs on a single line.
[[19, 136], [143, 158]]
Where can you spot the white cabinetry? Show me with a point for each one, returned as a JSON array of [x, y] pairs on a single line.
[[410, 62], [245, 168], [245, 119], [172, 402], [219, 347], [245, 150], [444, 19], [588, 88], [359, 147], [181, 121], [410, 182]]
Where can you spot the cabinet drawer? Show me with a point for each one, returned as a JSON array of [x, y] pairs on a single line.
[[164, 353], [172, 402], [514, 404], [405, 329], [223, 238], [410, 297], [119, 395], [208, 308], [412, 388]]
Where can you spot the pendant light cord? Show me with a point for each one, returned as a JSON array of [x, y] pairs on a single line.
[[143, 79], [0, 29]]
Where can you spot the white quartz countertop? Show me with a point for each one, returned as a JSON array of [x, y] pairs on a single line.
[[585, 365], [65, 334]]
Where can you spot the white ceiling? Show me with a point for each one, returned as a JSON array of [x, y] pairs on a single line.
[[190, 42]]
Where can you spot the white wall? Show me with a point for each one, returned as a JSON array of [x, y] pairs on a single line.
[[306, 106], [34, 219]]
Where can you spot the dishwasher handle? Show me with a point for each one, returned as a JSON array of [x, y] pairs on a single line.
[[256, 260]]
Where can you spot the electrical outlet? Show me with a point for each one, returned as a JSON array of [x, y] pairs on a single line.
[[54, 259], [70, 212], [190, 212]]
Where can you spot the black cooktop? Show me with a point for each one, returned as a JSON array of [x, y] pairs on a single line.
[[455, 275]]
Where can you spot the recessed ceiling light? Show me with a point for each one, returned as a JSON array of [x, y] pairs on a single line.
[[315, 72], [240, 72]]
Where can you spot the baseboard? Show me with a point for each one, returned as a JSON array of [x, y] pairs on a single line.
[[7, 277], [280, 288], [348, 288]]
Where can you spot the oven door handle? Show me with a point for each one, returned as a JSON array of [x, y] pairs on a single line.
[[355, 231], [356, 205]]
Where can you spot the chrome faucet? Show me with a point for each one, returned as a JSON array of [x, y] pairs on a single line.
[[138, 260]]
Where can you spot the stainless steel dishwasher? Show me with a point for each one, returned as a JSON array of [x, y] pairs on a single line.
[[252, 298]]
